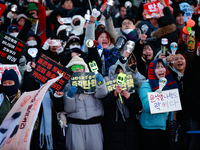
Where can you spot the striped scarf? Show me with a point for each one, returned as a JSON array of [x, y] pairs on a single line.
[[133, 35], [153, 80]]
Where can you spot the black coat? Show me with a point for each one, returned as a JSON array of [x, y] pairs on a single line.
[[191, 84], [120, 135]]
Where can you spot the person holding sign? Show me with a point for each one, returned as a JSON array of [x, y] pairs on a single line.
[[84, 112], [154, 126], [11, 93], [119, 123]]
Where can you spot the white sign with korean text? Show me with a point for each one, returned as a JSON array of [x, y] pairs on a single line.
[[8, 67], [166, 101]]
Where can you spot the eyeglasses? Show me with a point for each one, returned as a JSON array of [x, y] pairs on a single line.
[[75, 67], [125, 23]]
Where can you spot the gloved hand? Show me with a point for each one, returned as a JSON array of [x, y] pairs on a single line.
[[46, 44], [99, 78], [71, 91], [11, 15], [27, 25], [106, 14], [22, 61]]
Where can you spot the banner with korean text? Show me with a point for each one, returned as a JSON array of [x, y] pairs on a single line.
[[17, 127]]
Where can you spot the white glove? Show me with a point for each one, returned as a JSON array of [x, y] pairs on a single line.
[[22, 61], [46, 44]]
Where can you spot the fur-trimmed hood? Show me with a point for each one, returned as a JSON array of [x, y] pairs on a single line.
[[160, 32]]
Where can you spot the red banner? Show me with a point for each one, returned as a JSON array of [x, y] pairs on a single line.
[[2, 8], [153, 9]]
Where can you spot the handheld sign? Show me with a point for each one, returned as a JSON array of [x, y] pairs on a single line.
[[166, 101], [111, 83], [84, 81], [121, 79], [11, 49], [47, 68]]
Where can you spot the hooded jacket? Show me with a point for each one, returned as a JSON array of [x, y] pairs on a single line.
[[78, 29], [120, 134], [82, 107]]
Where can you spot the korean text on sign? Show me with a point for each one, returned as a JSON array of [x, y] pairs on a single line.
[[167, 101]]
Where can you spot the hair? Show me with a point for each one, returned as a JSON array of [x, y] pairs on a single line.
[[180, 52], [63, 1], [100, 31]]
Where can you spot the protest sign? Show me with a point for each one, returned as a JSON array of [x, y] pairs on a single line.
[[111, 83], [153, 9], [11, 49], [85, 81], [167, 101], [2, 8], [47, 68], [19, 122], [187, 9], [8, 67]]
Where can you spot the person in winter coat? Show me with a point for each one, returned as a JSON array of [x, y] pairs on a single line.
[[108, 53], [144, 53], [119, 123], [190, 116], [10, 92], [154, 125], [128, 29], [84, 112]]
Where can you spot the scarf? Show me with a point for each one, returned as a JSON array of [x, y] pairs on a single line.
[[153, 80], [122, 109], [45, 126], [133, 35], [110, 57]]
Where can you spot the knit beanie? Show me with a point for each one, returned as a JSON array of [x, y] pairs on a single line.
[[164, 21], [32, 6], [78, 61], [10, 75], [73, 39], [21, 16]]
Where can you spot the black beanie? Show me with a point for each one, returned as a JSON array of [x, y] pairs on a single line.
[[164, 21], [10, 75]]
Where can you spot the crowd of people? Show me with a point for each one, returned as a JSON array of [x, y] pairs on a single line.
[[105, 120]]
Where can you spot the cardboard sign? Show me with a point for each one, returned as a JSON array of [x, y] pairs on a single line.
[[8, 67], [85, 82], [153, 9], [47, 68], [11, 49], [20, 120], [188, 11], [2, 9], [111, 83], [167, 101]]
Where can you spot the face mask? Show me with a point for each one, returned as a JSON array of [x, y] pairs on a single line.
[[10, 90], [14, 34], [74, 46], [31, 43], [127, 31], [133, 67]]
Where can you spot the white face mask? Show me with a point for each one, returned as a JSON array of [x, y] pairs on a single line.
[[127, 31], [74, 46], [14, 34], [31, 43]]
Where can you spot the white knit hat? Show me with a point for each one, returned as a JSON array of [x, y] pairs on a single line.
[[78, 61], [21, 16]]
